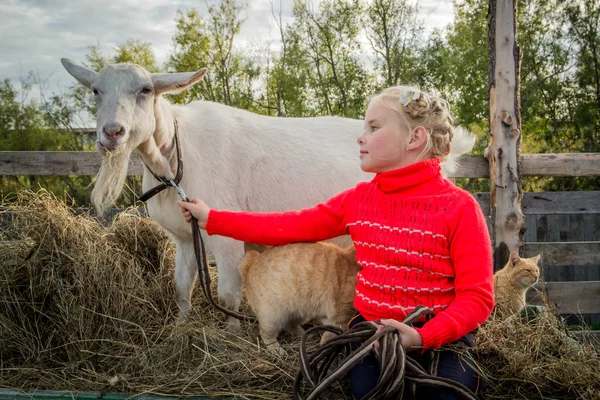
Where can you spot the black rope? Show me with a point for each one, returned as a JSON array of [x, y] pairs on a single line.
[[332, 360], [200, 253]]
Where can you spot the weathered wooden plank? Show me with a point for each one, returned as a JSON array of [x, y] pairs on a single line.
[[591, 227], [88, 162], [563, 227], [563, 164], [550, 203], [484, 202], [542, 228], [473, 167], [561, 203], [565, 253], [576, 228], [553, 230], [530, 229], [57, 163], [569, 297], [504, 149]]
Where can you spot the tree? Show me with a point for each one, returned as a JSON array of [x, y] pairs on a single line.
[[285, 74], [136, 52], [584, 19], [339, 82], [394, 33], [25, 126], [200, 43], [560, 113]]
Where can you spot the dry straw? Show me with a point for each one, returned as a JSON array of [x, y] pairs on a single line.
[[89, 307]]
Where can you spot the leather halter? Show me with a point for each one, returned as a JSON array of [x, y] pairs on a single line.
[[164, 182]]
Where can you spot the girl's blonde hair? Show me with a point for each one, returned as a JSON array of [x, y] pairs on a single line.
[[426, 110]]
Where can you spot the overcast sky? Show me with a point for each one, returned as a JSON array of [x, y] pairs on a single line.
[[35, 34]]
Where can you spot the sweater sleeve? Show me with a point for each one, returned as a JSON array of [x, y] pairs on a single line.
[[321, 222], [471, 254]]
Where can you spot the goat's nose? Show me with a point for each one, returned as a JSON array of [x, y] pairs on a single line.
[[113, 129]]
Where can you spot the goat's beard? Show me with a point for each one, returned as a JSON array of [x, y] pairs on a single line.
[[110, 179]]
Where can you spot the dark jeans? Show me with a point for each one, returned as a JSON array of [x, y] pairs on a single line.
[[364, 376]]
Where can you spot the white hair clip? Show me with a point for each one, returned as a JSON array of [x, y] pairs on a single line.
[[407, 97]]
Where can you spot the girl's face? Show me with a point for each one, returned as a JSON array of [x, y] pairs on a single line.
[[383, 143]]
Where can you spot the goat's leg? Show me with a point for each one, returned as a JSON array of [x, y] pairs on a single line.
[[185, 276], [228, 254]]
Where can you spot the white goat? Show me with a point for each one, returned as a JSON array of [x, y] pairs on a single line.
[[233, 160]]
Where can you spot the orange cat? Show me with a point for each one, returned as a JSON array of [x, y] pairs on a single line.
[[512, 282], [290, 285]]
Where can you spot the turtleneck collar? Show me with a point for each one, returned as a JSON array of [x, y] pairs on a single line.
[[408, 177]]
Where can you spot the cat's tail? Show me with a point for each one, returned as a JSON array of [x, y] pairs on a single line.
[[252, 254], [462, 143]]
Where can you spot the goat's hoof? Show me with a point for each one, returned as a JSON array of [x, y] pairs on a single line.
[[181, 319], [233, 325], [277, 350]]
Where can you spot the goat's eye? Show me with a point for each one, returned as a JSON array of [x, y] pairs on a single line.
[[96, 92], [147, 90]]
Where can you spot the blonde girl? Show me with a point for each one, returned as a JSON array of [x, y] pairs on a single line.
[[420, 239]]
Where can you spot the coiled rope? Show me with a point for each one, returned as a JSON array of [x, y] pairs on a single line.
[[331, 361]]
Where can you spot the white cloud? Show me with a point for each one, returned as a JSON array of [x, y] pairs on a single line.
[[36, 34]]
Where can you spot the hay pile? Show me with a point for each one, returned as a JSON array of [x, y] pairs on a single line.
[[537, 357], [91, 308], [84, 307]]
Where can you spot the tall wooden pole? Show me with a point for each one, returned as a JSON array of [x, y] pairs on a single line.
[[503, 152]]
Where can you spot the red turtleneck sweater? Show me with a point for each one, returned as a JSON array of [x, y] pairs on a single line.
[[420, 240]]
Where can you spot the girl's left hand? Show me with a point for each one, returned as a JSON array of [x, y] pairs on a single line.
[[411, 339]]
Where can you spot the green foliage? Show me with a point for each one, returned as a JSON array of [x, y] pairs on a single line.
[[26, 126], [395, 33], [323, 68], [200, 43], [286, 76], [338, 83], [136, 52]]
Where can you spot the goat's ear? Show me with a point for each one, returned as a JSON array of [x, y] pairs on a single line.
[[84, 75], [176, 82]]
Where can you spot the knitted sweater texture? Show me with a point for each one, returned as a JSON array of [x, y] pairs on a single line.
[[419, 239]]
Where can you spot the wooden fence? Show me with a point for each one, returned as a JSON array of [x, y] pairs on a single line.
[[563, 226]]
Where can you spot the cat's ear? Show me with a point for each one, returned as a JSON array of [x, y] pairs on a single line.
[[536, 259], [514, 258]]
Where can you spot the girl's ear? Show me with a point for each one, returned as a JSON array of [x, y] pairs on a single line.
[[417, 139]]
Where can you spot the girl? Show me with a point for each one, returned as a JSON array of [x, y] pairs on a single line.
[[419, 239]]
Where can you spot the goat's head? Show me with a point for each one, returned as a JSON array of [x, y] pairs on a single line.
[[126, 96]]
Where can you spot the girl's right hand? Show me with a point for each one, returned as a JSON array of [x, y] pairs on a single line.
[[196, 208]]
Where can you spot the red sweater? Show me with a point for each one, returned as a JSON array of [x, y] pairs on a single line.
[[420, 240]]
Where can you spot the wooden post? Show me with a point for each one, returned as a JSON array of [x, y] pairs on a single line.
[[503, 152]]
